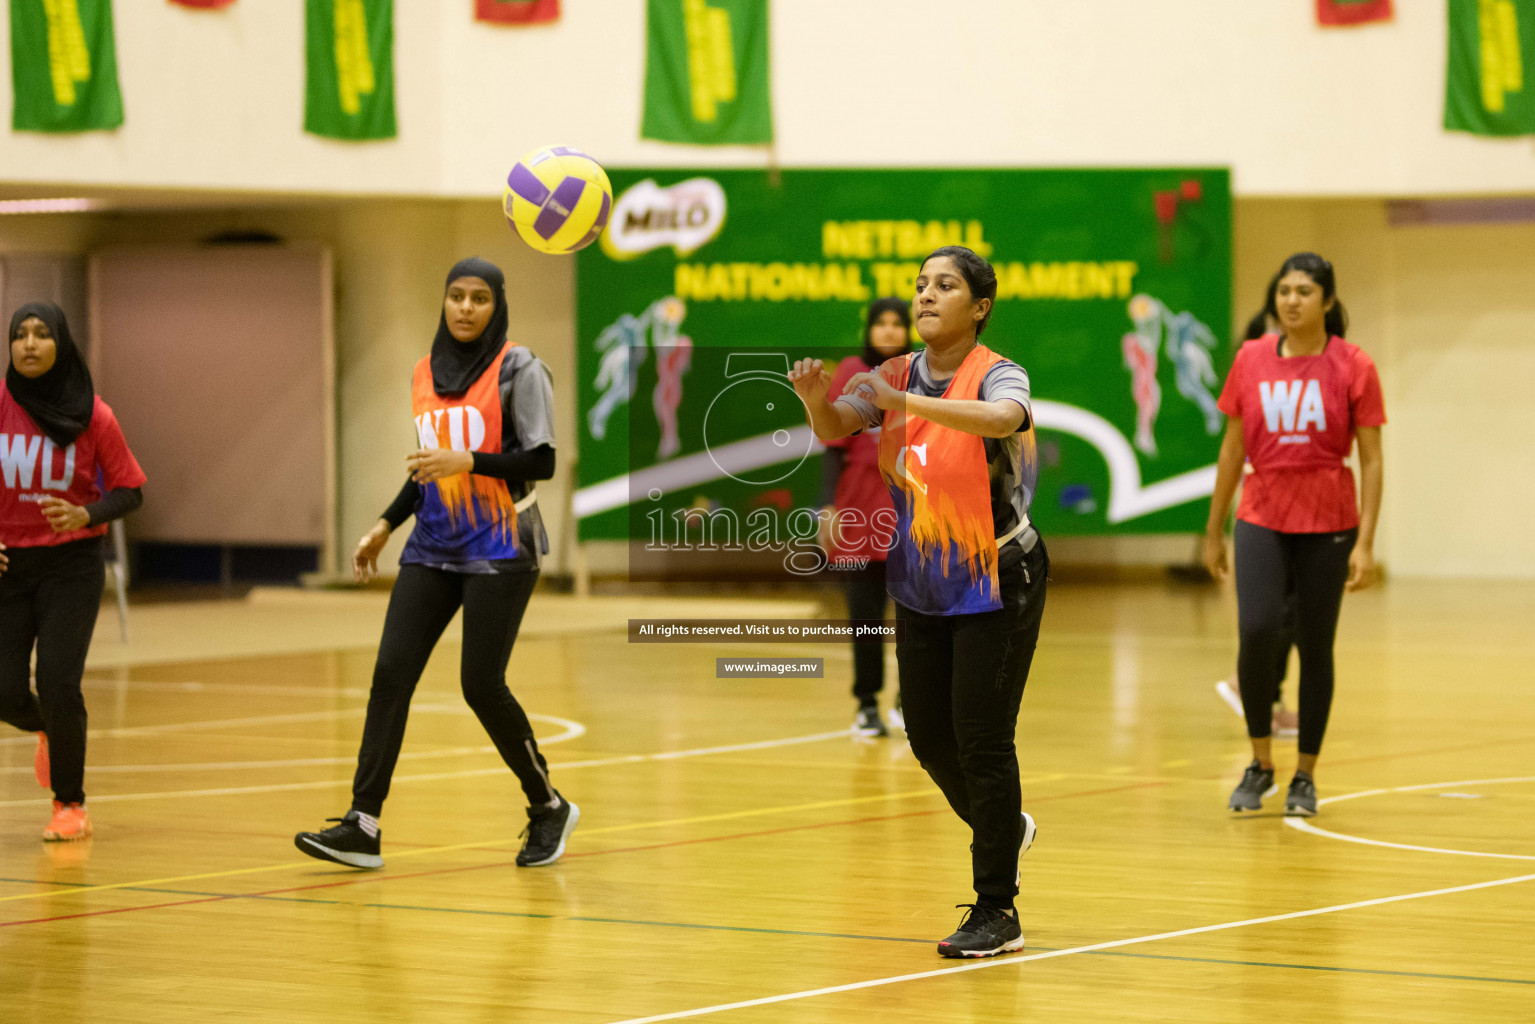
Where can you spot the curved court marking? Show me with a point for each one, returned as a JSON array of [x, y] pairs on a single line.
[[571, 730], [1302, 825], [598, 762], [1116, 944]]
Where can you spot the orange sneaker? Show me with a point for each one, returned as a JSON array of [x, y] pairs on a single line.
[[70, 821], [40, 762]]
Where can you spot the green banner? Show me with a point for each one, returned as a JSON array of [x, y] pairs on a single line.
[[1488, 89], [349, 46], [64, 66], [706, 72], [1114, 293]]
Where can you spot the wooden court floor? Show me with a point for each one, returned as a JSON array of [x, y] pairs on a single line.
[[742, 859]]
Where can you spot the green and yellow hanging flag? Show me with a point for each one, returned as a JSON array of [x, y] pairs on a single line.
[[349, 49], [64, 66], [706, 72], [1490, 87]]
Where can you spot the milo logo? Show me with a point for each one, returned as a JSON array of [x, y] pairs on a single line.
[[684, 216]]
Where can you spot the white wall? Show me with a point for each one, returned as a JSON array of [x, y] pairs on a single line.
[[215, 100]]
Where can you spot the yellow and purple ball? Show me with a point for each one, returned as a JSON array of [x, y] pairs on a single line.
[[557, 199]]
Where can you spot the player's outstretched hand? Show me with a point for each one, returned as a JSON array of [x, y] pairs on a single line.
[[810, 379]]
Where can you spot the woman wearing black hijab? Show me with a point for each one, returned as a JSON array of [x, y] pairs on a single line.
[[855, 492], [60, 446], [484, 420]]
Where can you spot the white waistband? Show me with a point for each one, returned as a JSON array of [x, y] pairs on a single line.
[[527, 502], [1023, 524]]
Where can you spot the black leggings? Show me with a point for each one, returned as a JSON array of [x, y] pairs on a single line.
[[1315, 566], [962, 679], [422, 604], [49, 598], [866, 600]]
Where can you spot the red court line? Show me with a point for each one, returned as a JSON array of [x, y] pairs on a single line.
[[569, 856]]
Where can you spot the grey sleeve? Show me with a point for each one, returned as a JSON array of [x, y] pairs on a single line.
[[1008, 380], [866, 410], [527, 395]]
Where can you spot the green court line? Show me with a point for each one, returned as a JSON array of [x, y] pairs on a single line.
[[804, 934], [1305, 967]]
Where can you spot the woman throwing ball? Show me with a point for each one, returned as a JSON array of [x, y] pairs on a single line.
[[1295, 402], [483, 410], [966, 567], [67, 473]]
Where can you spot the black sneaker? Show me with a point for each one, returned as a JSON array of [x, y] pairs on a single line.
[[1300, 801], [1027, 833], [985, 931], [868, 722], [548, 828], [1257, 783], [353, 842]]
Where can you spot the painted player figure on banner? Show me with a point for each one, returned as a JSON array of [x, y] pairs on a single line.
[[624, 345], [1189, 343]]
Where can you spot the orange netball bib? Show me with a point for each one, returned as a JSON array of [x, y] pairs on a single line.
[[944, 558], [463, 518]]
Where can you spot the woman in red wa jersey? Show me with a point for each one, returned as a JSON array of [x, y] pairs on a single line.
[[484, 421], [1295, 402], [853, 489], [966, 567], [60, 448]]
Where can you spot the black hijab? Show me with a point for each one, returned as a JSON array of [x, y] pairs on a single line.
[[456, 365], [878, 308], [61, 400]]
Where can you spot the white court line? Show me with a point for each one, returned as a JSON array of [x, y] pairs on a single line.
[[1116, 944], [223, 723], [1302, 825], [600, 762], [193, 686], [572, 730]]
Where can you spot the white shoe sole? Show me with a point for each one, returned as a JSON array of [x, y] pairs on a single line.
[[559, 851], [1292, 811], [351, 860], [1007, 947]]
